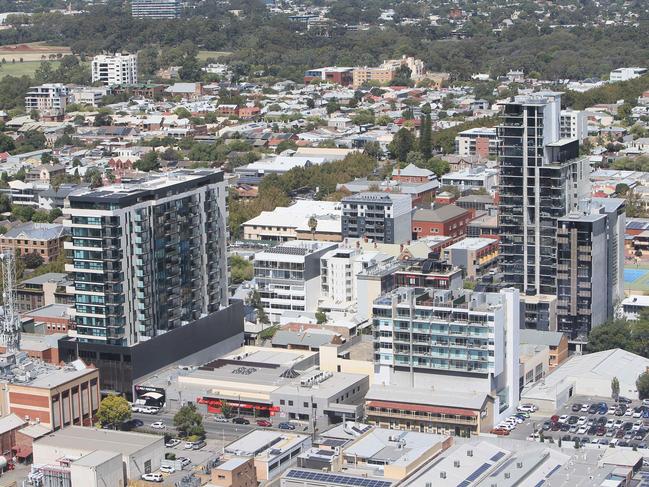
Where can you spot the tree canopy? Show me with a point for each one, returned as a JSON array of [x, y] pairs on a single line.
[[113, 410]]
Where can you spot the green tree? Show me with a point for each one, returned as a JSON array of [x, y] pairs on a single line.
[[54, 214], [320, 316], [425, 132], [33, 260], [615, 388], [402, 143], [5, 203], [7, 144], [226, 408], [113, 411], [93, 177], [240, 269], [22, 213], [438, 166], [373, 149], [285, 145], [41, 216], [642, 384], [148, 162], [615, 334], [189, 421]]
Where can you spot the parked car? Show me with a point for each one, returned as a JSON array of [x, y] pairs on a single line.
[[593, 408], [240, 420], [199, 444], [500, 432], [291, 426], [563, 418], [585, 408], [159, 425], [221, 419], [527, 408], [172, 442], [624, 400], [184, 461], [546, 425], [264, 423], [167, 469], [152, 477], [576, 407]]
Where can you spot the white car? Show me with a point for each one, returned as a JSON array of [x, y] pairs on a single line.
[[629, 412], [609, 424], [167, 469], [563, 418], [645, 402], [221, 419], [637, 425], [583, 420], [526, 408], [159, 425], [584, 408], [152, 477], [506, 426], [582, 430], [516, 419], [172, 442], [638, 413], [189, 445]]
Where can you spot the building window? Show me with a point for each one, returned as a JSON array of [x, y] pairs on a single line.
[[290, 403], [281, 402], [306, 404]]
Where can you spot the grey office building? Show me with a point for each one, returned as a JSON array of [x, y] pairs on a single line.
[[381, 217], [148, 256], [155, 9]]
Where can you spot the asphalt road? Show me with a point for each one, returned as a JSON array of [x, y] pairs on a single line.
[[226, 432]]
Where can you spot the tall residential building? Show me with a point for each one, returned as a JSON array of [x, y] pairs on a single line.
[[573, 124], [49, 98], [156, 9], [119, 69], [288, 276], [541, 180], [148, 256], [590, 266], [382, 217], [450, 340]]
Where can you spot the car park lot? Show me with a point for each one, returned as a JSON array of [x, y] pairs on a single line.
[[601, 421]]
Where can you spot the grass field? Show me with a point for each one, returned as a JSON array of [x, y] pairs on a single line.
[[20, 69], [203, 55]]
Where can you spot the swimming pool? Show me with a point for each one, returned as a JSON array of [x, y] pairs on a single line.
[[632, 275]]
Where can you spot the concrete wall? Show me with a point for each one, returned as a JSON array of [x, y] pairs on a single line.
[[108, 474]]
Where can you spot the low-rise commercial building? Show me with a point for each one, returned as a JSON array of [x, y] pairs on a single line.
[[235, 472], [56, 397], [295, 222], [271, 451], [478, 177], [446, 220], [138, 453], [556, 342]]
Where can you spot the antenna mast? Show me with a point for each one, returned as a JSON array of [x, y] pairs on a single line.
[[10, 321]]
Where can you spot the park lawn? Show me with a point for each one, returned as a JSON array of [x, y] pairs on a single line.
[[21, 69], [203, 55]]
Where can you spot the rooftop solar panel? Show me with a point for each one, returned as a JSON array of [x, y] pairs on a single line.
[[551, 472], [336, 479], [479, 471], [497, 456]]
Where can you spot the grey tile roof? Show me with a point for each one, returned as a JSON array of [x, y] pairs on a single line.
[[37, 231]]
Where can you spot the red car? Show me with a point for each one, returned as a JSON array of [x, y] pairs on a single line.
[[500, 432], [554, 419], [265, 423]]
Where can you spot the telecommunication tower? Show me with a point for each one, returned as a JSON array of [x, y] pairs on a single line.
[[10, 321]]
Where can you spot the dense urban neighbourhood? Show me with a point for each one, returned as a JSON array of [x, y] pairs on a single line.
[[312, 243]]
